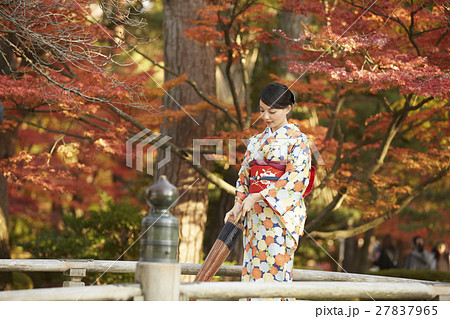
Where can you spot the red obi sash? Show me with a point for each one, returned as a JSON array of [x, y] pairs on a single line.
[[263, 173]]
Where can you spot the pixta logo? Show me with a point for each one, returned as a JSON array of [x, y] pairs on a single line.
[[140, 149], [280, 146]]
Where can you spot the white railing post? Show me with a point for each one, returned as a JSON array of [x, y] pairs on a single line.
[[76, 276], [159, 281]]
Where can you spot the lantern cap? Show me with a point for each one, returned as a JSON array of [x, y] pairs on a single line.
[[162, 194]]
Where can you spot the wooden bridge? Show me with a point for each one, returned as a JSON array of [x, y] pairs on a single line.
[[161, 281]]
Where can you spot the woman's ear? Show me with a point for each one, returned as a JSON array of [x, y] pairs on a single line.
[[289, 109], [288, 112]]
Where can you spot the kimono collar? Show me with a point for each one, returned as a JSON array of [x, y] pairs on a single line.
[[269, 132]]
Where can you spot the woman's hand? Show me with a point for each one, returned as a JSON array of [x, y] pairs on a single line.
[[249, 202], [234, 213], [239, 210]]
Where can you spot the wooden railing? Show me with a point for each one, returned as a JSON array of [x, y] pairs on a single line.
[[104, 292], [308, 284]]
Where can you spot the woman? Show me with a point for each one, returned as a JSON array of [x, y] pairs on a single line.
[[269, 191], [387, 255], [441, 260]]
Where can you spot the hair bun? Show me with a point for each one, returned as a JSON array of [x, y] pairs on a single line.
[[277, 95]]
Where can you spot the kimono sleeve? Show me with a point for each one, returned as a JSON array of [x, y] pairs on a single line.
[[286, 193], [243, 181]]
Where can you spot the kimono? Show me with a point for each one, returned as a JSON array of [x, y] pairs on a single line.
[[274, 226]]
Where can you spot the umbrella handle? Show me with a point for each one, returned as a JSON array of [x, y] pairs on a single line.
[[237, 220]]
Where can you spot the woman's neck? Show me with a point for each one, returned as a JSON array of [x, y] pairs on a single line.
[[278, 127]]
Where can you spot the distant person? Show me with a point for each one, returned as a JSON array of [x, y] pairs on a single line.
[[419, 258], [441, 260], [388, 254]]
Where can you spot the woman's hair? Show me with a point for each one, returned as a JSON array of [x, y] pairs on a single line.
[[435, 249], [277, 96]]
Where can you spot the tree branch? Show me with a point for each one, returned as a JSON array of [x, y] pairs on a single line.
[[377, 13], [440, 38], [334, 205], [100, 119], [182, 153], [334, 117], [396, 122], [226, 34], [16, 118], [246, 82], [419, 105], [410, 35], [179, 152], [102, 128], [429, 30], [378, 221], [194, 85]]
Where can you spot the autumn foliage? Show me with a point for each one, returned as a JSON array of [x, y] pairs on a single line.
[[371, 81], [376, 77], [62, 99]]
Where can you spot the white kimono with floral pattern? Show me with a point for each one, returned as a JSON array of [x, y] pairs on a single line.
[[273, 227]]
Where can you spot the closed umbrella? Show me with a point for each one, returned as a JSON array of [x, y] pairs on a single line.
[[224, 243]]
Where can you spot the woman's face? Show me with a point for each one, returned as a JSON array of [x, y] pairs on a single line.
[[274, 118]]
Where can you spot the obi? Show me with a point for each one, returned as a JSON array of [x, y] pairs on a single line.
[[263, 173]]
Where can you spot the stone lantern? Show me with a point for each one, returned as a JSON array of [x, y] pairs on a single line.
[[159, 241], [158, 271]]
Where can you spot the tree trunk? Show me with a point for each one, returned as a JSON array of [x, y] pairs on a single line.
[[8, 64], [363, 266], [185, 56], [7, 143], [291, 24], [350, 257]]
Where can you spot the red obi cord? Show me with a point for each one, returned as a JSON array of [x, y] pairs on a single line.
[[263, 173]]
